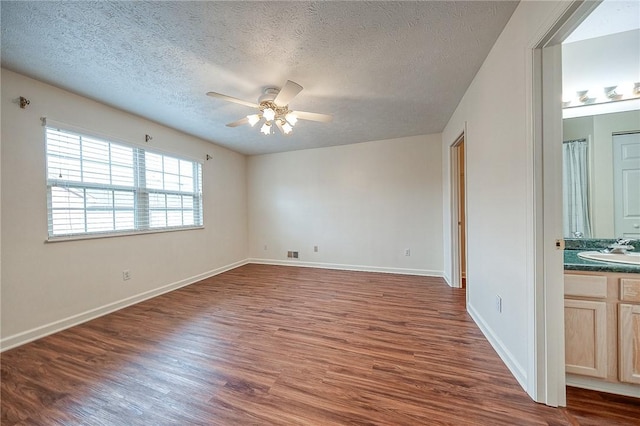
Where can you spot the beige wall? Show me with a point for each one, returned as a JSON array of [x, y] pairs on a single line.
[[47, 286], [496, 112], [599, 130], [363, 205]]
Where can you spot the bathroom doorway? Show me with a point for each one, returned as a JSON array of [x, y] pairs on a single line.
[[458, 210], [551, 85]]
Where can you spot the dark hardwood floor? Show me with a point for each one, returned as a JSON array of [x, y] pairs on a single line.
[[281, 345]]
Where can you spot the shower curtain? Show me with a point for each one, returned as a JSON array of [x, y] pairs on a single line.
[[575, 171]]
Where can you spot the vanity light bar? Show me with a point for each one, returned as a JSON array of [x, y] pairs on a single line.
[[621, 92]]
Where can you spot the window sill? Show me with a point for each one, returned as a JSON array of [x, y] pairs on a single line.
[[119, 234]]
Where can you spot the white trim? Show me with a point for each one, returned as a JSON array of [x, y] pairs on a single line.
[[343, 267], [546, 310], [56, 326], [454, 206], [550, 293], [507, 357], [534, 270], [447, 279], [601, 386]]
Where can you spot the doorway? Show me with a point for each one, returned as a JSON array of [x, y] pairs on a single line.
[[548, 90], [459, 213]]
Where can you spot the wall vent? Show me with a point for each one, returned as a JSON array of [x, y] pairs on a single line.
[[292, 254]]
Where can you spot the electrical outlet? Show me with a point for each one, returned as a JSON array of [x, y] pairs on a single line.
[[407, 252], [498, 303], [265, 247], [315, 249], [126, 275]]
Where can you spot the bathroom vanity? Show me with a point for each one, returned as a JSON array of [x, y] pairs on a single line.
[[602, 324]]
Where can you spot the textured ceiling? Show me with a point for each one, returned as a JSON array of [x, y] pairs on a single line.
[[383, 69], [609, 17]]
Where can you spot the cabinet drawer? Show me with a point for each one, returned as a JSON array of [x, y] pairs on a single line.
[[594, 286], [629, 290]]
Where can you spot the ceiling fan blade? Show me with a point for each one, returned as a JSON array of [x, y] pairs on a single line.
[[232, 99], [279, 125], [288, 92], [312, 116], [240, 122]]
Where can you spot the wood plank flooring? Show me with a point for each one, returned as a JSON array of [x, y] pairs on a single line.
[[280, 345]]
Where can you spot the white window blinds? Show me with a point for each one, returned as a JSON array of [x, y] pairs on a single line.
[[96, 186]]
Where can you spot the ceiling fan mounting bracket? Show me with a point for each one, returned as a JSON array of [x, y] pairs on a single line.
[[268, 94]]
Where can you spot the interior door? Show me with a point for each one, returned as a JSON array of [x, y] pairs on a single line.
[[626, 182]]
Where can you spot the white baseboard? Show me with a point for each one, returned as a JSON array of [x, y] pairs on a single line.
[[447, 279], [343, 267], [56, 326], [602, 386], [507, 357], [21, 338]]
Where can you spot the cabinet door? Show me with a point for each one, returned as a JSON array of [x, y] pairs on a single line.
[[629, 344], [585, 324]]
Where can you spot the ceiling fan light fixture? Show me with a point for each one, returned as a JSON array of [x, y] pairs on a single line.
[[291, 118], [253, 119], [273, 107], [269, 114]]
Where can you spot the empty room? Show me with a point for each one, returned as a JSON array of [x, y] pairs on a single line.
[[292, 212]]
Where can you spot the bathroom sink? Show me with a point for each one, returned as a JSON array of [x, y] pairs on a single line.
[[631, 258]]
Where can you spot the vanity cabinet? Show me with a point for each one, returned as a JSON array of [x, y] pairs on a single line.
[[602, 331], [629, 330], [585, 323], [630, 343]]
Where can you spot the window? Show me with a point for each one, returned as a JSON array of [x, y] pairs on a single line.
[[99, 187]]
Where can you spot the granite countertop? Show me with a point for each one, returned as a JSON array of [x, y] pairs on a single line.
[[574, 263]]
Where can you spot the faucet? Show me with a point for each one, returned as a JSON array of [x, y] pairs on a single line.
[[620, 246]]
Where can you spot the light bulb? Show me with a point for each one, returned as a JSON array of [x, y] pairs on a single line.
[[286, 128], [291, 118], [582, 95], [253, 119], [610, 92], [269, 114], [266, 128]]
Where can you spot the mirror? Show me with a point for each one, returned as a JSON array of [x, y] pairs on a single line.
[[601, 108], [612, 177]]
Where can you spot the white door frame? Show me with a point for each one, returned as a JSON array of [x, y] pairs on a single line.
[[548, 384], [456, 279]]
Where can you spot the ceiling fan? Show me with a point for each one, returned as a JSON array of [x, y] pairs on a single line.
[[273, 107]]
